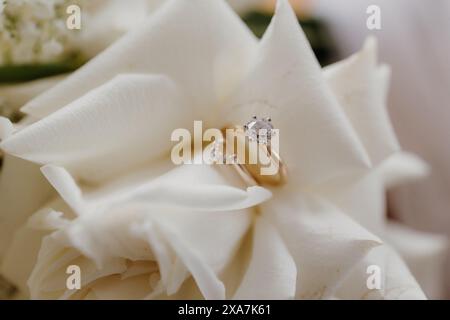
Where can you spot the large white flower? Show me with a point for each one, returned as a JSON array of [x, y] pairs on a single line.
[[140, 228]]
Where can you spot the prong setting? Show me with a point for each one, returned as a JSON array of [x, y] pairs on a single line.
[[259, 130]]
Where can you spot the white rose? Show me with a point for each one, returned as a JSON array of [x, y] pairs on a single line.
[[141, 228]]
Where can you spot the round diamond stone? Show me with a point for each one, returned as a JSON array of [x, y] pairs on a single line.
[[259, 130]]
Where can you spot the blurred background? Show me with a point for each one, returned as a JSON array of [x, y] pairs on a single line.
[[414, 40], [36, 50]]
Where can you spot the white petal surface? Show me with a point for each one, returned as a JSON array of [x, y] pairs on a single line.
[[204, 275], [193, 42], [23, 190], [48, 279], [110, 130], [361, 197], [199, 187], [21, 256], [17, 266], [361, 88], [401, 168], [272, 272], [397, 283], [182, 239], [66, 186], [324, 243], [6, 128], [354, 287], [111, 20], [400, 283], [424, 253]]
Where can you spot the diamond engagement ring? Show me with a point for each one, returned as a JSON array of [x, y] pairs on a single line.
[[261, 161]]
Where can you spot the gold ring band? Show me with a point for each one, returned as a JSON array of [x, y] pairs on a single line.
[[272, 172]]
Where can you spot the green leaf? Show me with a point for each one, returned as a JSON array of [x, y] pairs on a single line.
[[27, 72]]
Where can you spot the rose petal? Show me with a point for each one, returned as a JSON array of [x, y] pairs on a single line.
[[66, 186], [6, 128], [113, 288], [184, 187], [204, 275], [401, 168], [21, 256], [23, 190], [48, 279], [396, 280], [400, 283], [361, 88], [355, 284], [324, 243], [184, 40], [111, 20], [361, 197], [114, 128], [272, 272], [424, 253], [163, 253], [17, 266]]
